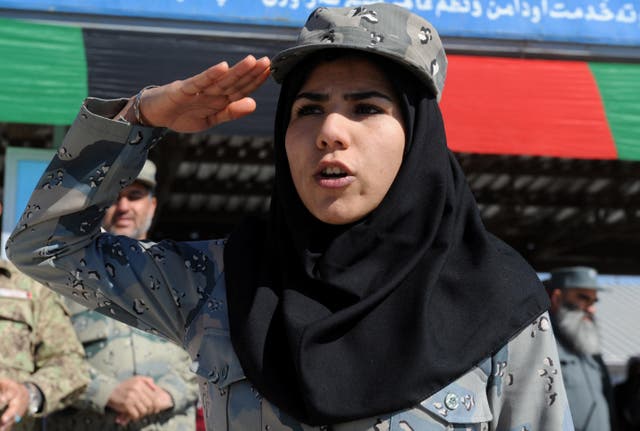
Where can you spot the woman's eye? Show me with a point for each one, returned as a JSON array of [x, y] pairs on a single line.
[[308, 110], [367, 109]]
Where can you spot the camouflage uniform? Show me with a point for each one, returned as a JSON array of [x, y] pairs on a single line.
[[38, 343], [115, 353], [178, 289]]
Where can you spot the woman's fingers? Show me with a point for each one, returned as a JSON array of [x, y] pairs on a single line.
[[249, 83], [198, 83], [238, 81], [233, 111], [243, 71], [211, 97]]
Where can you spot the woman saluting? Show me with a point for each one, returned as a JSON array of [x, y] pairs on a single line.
[[371, 296]]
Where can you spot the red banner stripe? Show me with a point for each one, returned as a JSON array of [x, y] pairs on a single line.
[[523, 106]]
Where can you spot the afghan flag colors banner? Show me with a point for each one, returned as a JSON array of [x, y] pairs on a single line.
[[490, 105], [543, 107]]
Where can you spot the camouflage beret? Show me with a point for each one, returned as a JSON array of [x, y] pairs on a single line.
[[380, 29]]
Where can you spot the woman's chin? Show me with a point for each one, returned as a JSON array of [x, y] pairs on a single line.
[[338, 214]]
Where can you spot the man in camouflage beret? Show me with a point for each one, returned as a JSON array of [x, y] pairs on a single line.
[[41, 361], [138, 381]]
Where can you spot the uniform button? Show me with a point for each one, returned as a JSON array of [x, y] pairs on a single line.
[[451, 401]]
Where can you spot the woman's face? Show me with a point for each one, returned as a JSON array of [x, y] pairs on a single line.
[[345, 140]]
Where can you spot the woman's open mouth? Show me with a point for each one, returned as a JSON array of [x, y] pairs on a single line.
[[333, 172]]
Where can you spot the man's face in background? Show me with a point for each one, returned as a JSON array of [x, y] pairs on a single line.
[[575, 318], [131, 215]]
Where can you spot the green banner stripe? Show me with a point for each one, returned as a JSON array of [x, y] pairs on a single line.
[[619, 86], [43, 72]]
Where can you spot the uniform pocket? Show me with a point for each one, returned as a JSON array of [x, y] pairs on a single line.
[[463, 402]]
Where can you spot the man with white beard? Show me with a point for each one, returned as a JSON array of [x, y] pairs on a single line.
[[574, 293]]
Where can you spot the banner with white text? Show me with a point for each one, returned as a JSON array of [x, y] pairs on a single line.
[[607, 22]]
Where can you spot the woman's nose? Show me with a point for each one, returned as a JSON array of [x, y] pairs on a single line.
[[334, 132]]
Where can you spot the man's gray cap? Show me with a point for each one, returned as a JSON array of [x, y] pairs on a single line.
[[574, 277], [147, 175], [383, 29]]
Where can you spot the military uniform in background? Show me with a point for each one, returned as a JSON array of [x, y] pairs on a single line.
[[115, 353], [38, 343], [588, 387], [574, 290]]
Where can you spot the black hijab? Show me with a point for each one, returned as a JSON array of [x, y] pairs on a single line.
[[336, 323]]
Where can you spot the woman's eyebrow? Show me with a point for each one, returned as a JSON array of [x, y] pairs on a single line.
[[316, 97], [361, 95], [356, 96]]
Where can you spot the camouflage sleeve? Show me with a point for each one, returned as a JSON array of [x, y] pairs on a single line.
[[97, 394], [525, 390], [61, 371], [180, 382], [99, 389], [58, 241]]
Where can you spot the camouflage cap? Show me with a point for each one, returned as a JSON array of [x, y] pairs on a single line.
[[147, 175], [381, 29]]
